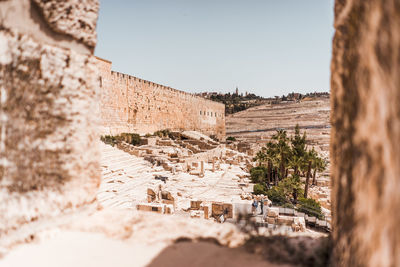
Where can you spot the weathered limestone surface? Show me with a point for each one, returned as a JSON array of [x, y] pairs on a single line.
[[70, 24], [76, 18], [49, 158], [130, 104], [365, 147]]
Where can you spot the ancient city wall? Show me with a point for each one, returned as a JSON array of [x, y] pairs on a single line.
[[130, 104]]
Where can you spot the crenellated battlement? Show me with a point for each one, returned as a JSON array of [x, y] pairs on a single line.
[[160, 86], [132, 104]]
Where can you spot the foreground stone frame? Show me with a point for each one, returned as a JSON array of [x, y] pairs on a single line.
[[365, 147], [49, 109], [49, 157]]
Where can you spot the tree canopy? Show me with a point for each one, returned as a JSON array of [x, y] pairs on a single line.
[[281, 164]]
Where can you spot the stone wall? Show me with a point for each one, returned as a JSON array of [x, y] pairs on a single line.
[[130, 104], [49, 158], [365, 147]]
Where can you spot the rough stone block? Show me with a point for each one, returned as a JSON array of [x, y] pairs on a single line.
[[158, 208], [48, 131], [76, 18], [151, 195], [299, 224], [169, 202], [196, 213], [285, 220], [273, 212], [195, 204], [206, 210], [218, 209], [365, 147], [169, 209]]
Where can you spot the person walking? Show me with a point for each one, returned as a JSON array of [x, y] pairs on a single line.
[[254, 206], [262, 206]]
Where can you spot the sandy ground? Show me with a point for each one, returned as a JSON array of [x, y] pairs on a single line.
[[67, 249], [71, 248], [112, 237], [201, 254]]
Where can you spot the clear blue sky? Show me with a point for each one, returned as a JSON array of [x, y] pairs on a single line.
[[268, 47]]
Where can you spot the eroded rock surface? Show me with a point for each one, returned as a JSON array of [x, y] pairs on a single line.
[[365, 150], [77, 18], [49, 158]]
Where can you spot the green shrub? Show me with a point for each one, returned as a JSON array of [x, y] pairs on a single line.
[[277, 196], [291, 187], [109, 139], [288, 205], [131, 138], [231, 138], [310, 207], [135, 139], [259, 189], [258, 174], [214, 137], [163, 133]]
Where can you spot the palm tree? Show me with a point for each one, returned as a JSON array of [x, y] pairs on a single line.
[[261, 156], [320, 166], [307, 179], [313, 157], [291, 187], [271, 158], [269, 171], [298, 143], [317, 164], [282, 151], [296, 164], [275, 162]]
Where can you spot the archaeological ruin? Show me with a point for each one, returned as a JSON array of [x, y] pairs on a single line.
[[58, 180]]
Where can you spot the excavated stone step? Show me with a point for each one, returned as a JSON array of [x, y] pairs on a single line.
[[116, 158], [125, 164]]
